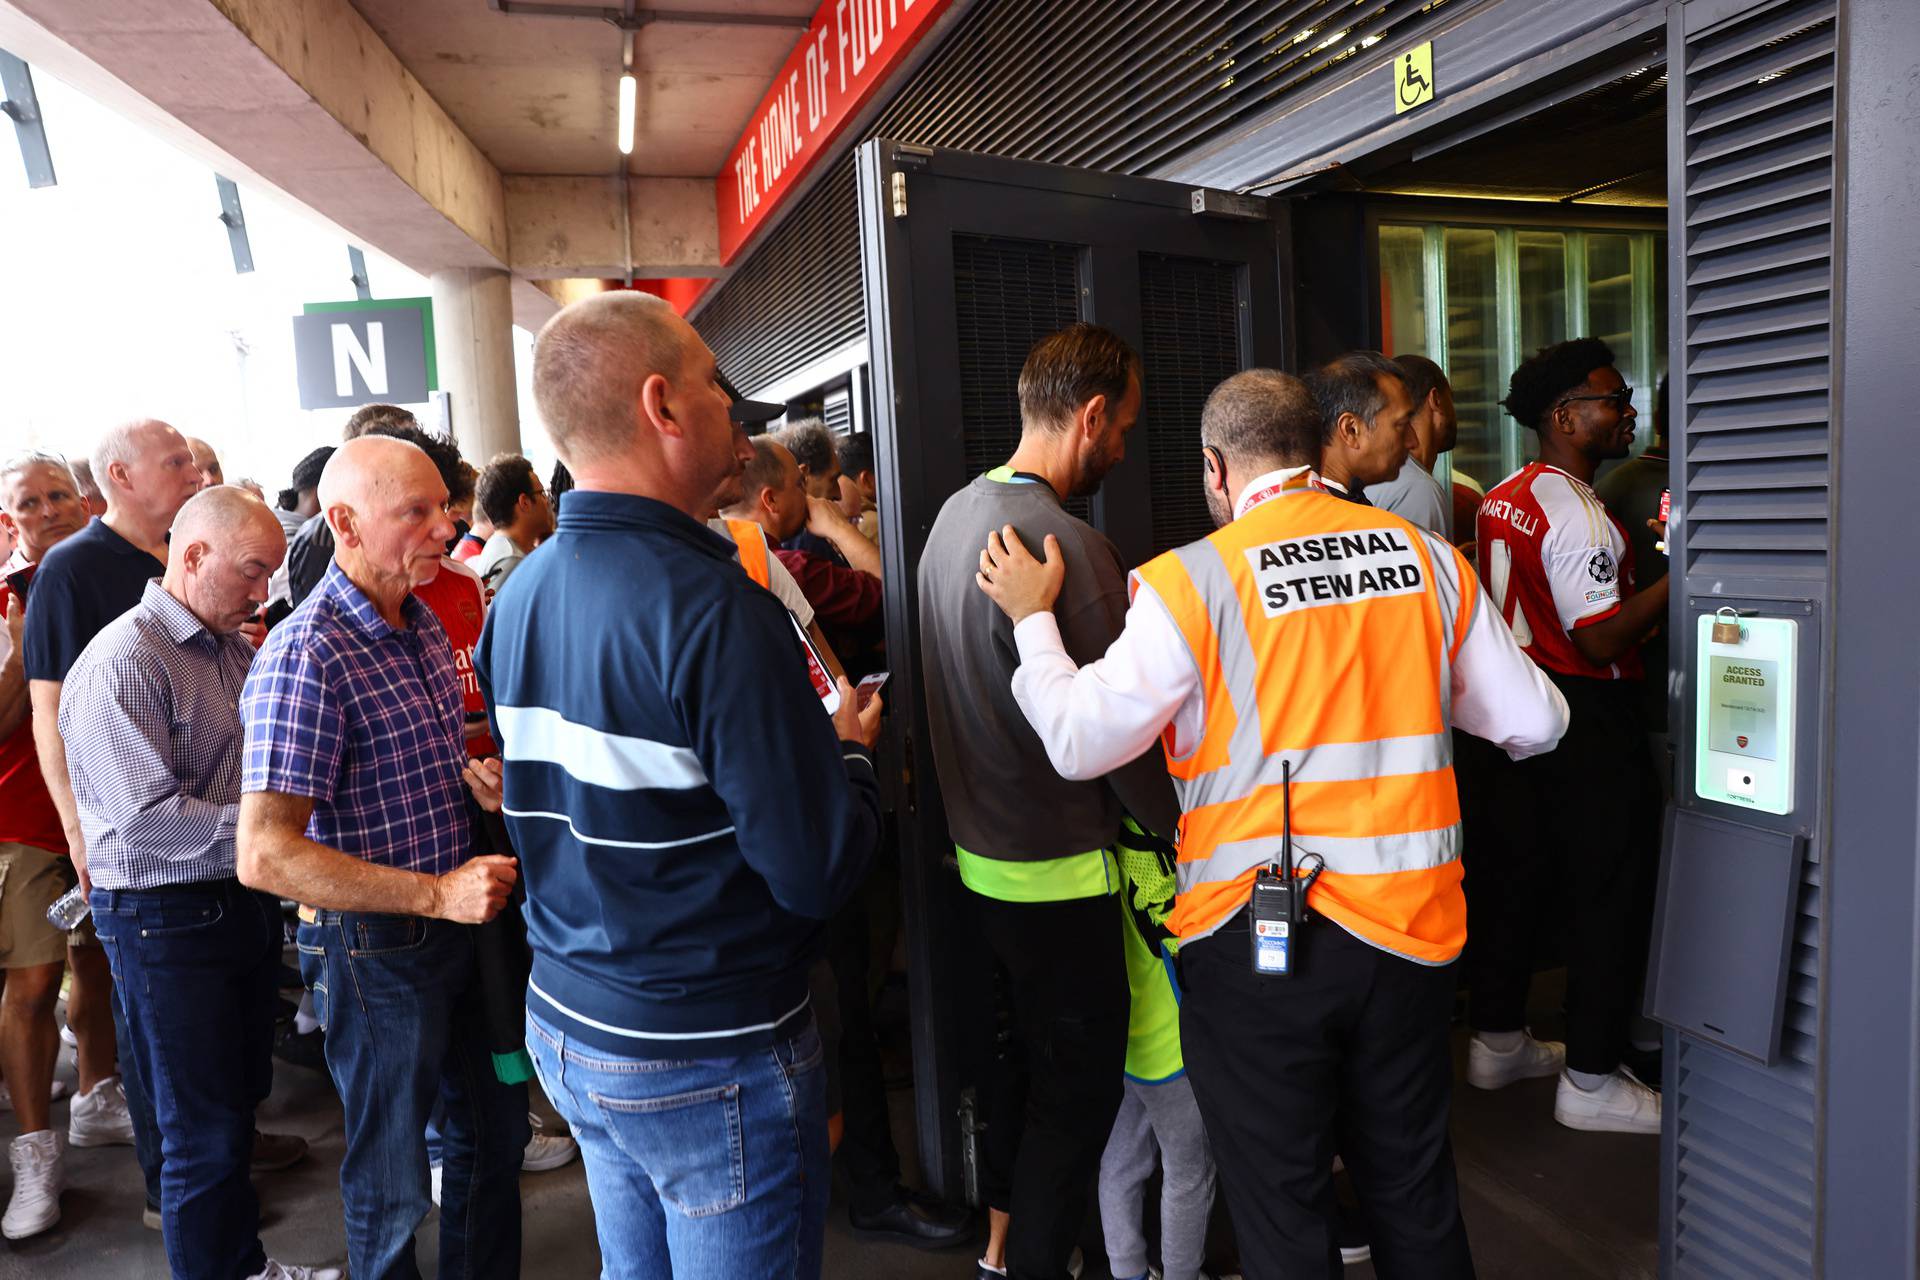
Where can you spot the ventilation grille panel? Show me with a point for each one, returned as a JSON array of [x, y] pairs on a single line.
[[1757, 104], [1190, 328], [1008, 294]]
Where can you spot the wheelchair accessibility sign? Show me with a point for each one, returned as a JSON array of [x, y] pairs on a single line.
[[1413, 78]]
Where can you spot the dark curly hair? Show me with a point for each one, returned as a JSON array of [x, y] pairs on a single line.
[[1550, 373]]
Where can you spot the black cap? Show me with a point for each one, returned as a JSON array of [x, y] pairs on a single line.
[[749, 413]]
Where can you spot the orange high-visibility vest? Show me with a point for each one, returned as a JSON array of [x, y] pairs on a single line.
[[752, 541], [1325, 633]]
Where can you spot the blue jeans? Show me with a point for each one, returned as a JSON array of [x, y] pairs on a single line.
[[699, 1170], [194, 969], [400, 999]]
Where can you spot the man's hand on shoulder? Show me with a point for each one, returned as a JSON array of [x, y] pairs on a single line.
[[1018, 583]]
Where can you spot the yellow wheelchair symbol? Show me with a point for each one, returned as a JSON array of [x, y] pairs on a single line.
[[1413, 78]]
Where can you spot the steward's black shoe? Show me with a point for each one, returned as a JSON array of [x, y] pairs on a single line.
[[920, 1221]]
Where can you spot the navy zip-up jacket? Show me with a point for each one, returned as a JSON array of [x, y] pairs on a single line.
[[684, 815]]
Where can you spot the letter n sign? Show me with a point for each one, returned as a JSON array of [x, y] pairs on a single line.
[[354, 353]]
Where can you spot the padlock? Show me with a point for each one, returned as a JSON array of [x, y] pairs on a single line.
[[1726, 626]]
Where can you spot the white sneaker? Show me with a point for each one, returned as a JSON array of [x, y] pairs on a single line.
[[58, 1092], [67, 1037], [1488, 1068], [282, 1271], [99, 1118], [1621, 1105], [546, 1151], [38, 1178]]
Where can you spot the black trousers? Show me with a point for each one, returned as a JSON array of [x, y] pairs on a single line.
[[1349, 1055], [866, 1155], [1056, 1087], [1567, 843]]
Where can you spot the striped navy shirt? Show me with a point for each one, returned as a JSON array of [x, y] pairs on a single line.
[[151, 717]]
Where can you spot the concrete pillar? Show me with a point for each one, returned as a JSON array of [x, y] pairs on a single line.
[[473, 347]]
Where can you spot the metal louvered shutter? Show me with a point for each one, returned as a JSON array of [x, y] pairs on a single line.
[[1751, 104], [798, 297], [836, 410], [1008, 295], [1190, 312], [1121, 87]]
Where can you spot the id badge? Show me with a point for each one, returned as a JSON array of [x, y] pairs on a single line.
[[1271, 926]]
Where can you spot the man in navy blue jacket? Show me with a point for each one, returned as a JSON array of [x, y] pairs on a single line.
[[687, 817]]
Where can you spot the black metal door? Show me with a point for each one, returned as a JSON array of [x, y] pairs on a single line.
[[968, 260]]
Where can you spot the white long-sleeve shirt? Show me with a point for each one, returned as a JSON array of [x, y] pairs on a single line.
[[1094, 719]]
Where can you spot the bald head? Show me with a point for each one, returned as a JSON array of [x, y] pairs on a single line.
[[222, 513], [590, 363], [206, 462], [226, 544], [145, 470], [387, 506], [360, 469]]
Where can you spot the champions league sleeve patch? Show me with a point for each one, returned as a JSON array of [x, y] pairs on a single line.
[[1334, 568], [1601, 568]]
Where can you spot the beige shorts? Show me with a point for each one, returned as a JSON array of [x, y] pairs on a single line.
[[31, 880]]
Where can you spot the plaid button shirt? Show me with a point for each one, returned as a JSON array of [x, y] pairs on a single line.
[[366, 720], [153, 746]]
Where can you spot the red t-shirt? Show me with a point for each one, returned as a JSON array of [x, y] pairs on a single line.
[[1554, 560], [27, 815], [459, 601]]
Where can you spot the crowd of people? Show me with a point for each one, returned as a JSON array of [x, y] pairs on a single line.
[[570, 786]]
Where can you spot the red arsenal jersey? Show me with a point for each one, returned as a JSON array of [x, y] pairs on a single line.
[[1554, 560], [459, 601]]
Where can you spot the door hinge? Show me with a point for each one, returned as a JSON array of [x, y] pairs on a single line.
[[899, 194]]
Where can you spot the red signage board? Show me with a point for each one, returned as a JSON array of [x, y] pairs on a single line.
[[846, 54]]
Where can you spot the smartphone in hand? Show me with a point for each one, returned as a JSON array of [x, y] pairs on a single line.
[[868, 686]]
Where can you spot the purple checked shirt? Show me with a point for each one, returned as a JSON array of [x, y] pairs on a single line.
[[366, 720]]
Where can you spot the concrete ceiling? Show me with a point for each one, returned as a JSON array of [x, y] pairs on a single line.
[[537, 94]]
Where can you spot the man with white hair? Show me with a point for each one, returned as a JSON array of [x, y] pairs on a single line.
[[679, 873], [352, 804], [152, 721], [40, 505], [146, 471]]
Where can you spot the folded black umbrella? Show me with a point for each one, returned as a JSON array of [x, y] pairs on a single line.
[[505, 960]]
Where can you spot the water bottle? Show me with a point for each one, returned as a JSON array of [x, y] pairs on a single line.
[[68, 910]]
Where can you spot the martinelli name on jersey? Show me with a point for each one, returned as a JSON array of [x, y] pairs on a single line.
[[1333, 568]]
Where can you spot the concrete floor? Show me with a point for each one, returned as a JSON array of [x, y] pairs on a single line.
[[1539, 1200]]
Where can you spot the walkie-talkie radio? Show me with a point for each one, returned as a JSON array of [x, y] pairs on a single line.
[[1279, 904]]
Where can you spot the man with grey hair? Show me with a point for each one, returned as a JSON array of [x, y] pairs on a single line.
[[40, 506], [352, 804], [151, 713], [642, 732], [817, 453], [1366, 422], [146, 471]]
